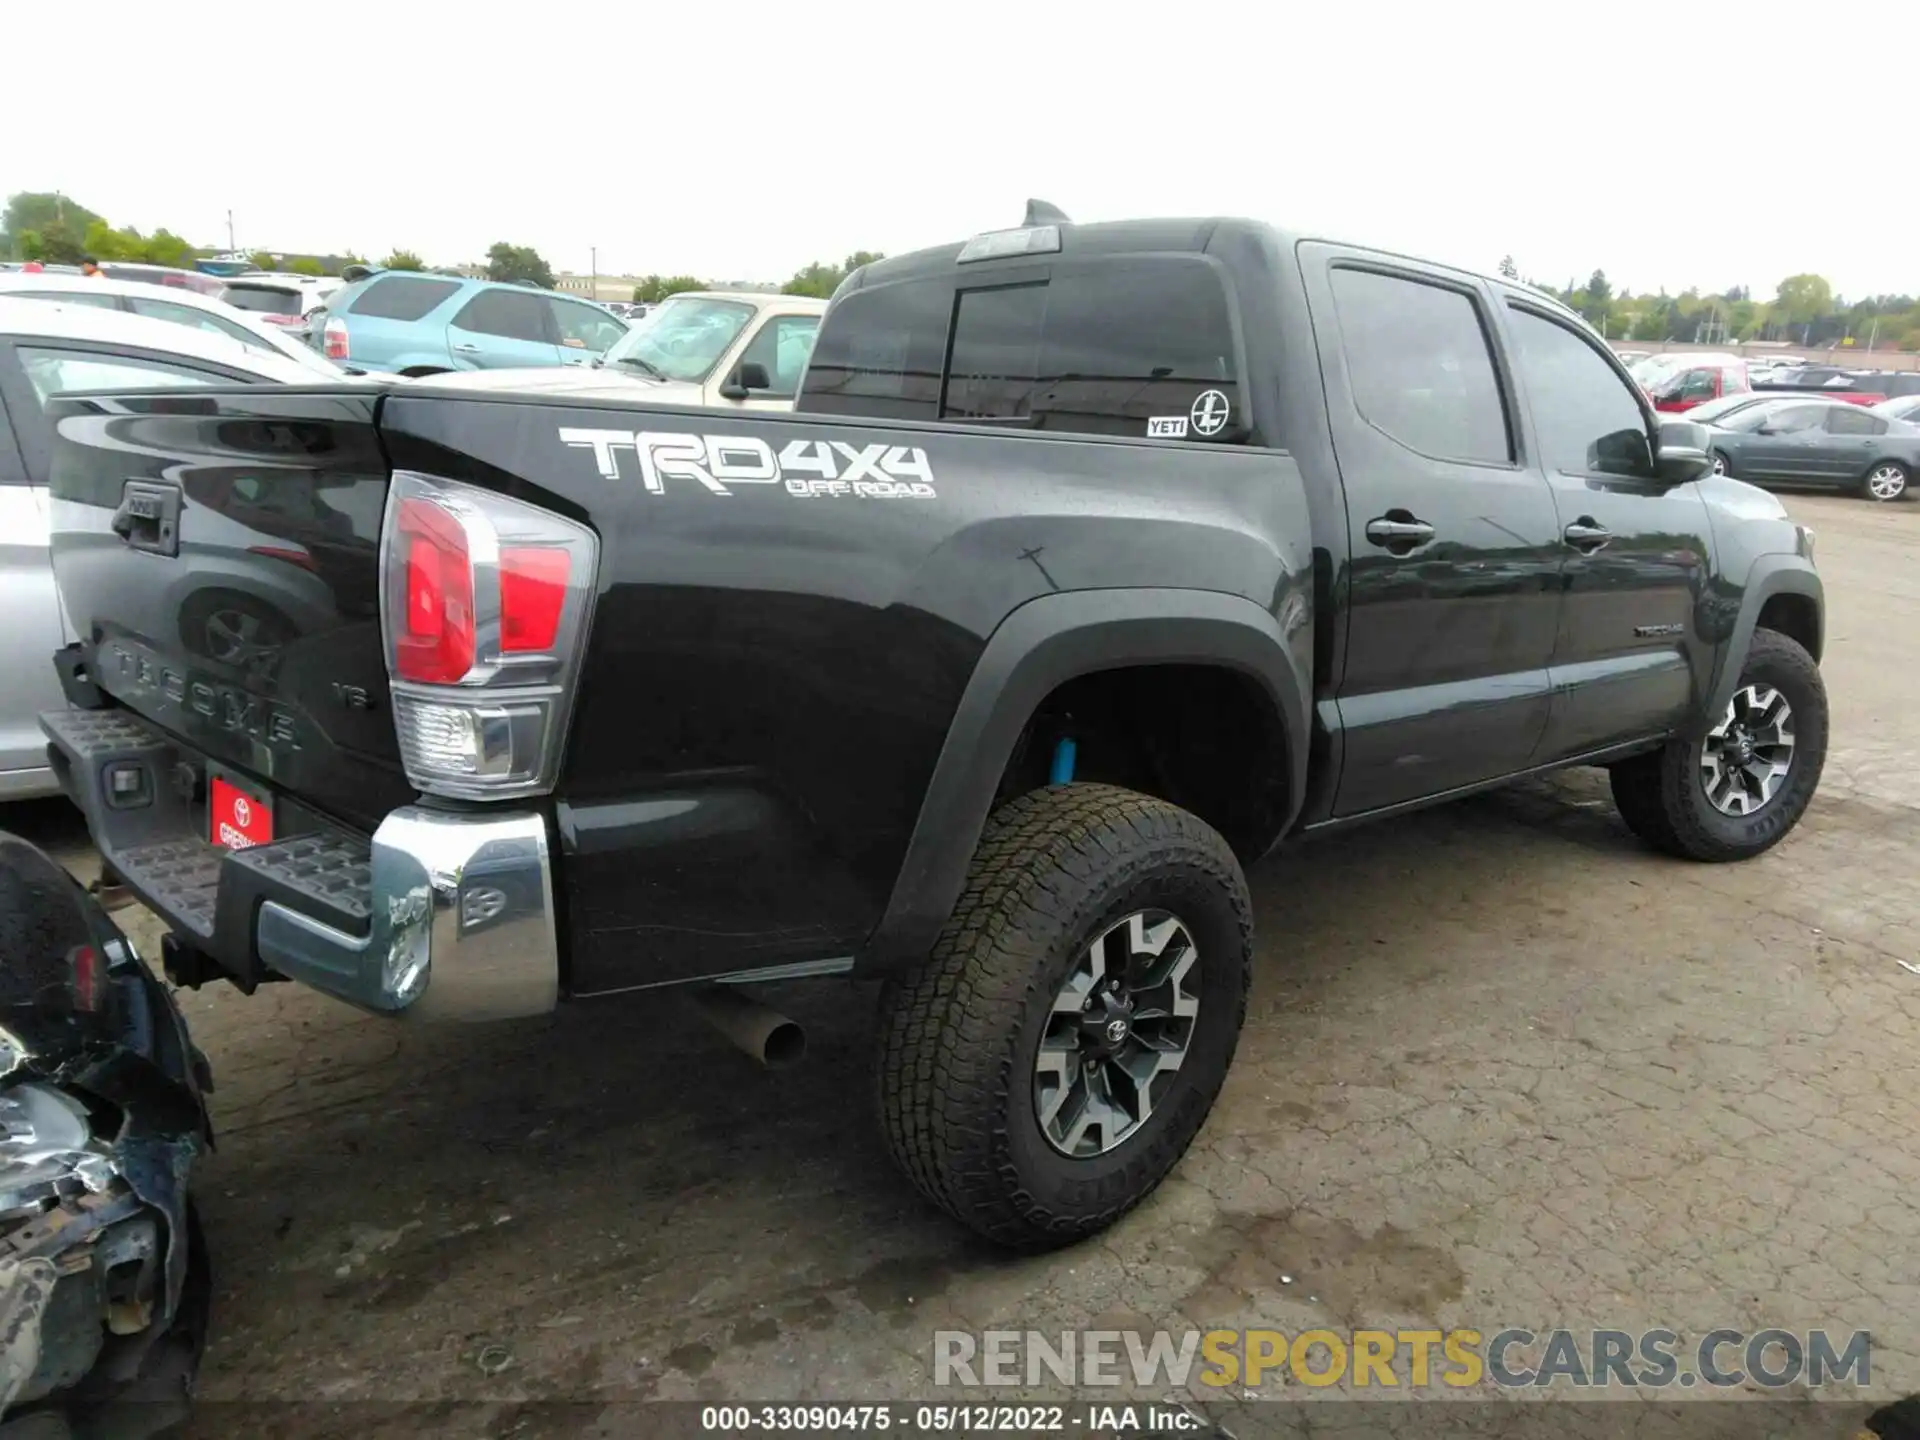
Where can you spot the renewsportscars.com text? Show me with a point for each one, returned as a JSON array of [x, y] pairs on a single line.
[[1389, 1359]]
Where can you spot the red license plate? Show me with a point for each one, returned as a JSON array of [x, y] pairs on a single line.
[[238, 819]]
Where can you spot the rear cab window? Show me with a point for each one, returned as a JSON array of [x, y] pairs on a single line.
[[401, 297], [1125, 345]]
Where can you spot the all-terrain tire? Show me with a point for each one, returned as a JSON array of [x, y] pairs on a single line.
[[1661, 795], [959, 1037]]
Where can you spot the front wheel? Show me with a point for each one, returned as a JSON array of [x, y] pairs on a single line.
[[1738, 790], [1721, 464], [1055, 1057], [1887, 480]]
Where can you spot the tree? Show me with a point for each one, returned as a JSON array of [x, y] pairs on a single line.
[[306, 265], [820, 280], [57, 224], [1509, 270], [652, 289], [1599, 294], [403, 260], [518, 262], [1802, 299], [166, 248]]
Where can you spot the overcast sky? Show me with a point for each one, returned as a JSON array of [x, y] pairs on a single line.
[[739, 140]]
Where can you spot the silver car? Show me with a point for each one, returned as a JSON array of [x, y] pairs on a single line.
[[49, 347]]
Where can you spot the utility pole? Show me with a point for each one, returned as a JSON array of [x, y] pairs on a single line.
[[231, 247], [593, 253]]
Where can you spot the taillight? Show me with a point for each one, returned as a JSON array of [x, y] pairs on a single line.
[[274, 318], [484, 606], [334, 338]]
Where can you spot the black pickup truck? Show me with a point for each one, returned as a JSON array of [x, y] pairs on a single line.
[[1094, 561]]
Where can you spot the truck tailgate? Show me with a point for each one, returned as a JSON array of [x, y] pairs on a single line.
[[219, 551]]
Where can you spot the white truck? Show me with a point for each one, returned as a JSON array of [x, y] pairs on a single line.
[[734, 349]]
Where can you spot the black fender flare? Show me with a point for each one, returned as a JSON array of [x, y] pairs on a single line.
[[1771, 575], [1039, 646]]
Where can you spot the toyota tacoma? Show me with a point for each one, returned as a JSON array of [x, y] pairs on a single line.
[[1093, 562]]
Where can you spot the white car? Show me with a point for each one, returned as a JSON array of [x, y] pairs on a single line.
[[287, 301], [743, 350], [181, 306], [49, 347]]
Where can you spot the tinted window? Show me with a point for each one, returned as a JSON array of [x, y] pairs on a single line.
[[996, 353], [1421, 371], [1129, 341], [583, 327], [510, 314], [54, 372], [1589, 421], [401, 297], [880, 352], [783, 345], [1852, 420], [1100, 348], [263, 299]]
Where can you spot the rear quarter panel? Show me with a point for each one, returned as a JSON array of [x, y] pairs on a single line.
[[771, 674]]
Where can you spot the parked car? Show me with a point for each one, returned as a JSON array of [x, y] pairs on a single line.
[[982, 673], [49, 348], [1697, 383], [1857, 387], [407, 323], [1713, 412], [1818, 442], [183, 307], [1906, 407], [742, 350], [166, 276], [288, 301], [1655, 369]]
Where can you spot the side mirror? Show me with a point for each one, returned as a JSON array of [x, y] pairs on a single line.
[[1683, 457], [747, 376]]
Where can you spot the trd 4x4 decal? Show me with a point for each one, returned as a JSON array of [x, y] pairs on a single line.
[[717, 462]]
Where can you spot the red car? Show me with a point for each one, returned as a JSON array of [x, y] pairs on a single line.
[[1699, 382]]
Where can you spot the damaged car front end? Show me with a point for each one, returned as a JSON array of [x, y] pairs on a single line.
[[103, 1281]]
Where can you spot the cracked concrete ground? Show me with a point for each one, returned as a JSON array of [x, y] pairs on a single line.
[[1503, 1067]]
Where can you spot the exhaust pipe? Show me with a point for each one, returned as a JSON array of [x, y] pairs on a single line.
[[765, 1034]]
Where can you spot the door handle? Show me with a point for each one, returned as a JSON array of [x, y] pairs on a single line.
[[1397, 529], [1586, 536], [468, 349]]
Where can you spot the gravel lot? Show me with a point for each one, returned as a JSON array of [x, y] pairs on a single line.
[[1502, 1067]]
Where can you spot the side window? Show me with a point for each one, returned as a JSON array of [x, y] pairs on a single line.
[[1420, 366], [879, 352], [1589, 421], [582, 327], [510, 314], [401, 297], [69, 297], [1794, 418], [1852, 420], [54, 372], [199, 319], [783, 345], [1697, 385]]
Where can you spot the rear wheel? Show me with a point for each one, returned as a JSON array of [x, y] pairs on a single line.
[[1052, 1061], [1886, 480], [1738, 790]]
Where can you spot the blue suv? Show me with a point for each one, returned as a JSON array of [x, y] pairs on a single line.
[[407, 323]]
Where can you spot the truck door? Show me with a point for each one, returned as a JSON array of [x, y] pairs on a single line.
[[1629, 659], [1454, 545]]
